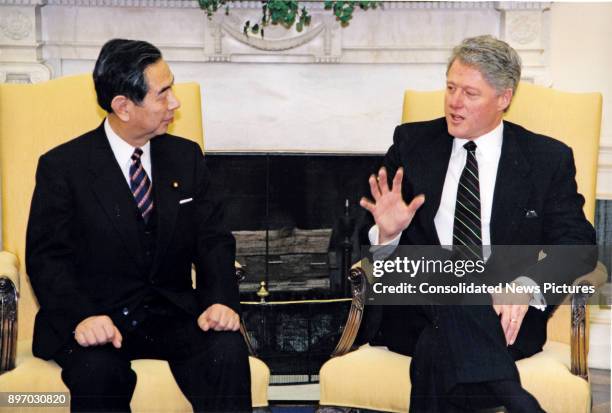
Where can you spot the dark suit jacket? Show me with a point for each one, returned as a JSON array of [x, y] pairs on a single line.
[[535, 173], [84, 256]]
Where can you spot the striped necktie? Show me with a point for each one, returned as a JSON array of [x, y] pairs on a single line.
[[467, 225], [141, 185]]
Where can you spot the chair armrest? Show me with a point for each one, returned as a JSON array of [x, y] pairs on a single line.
[[357, 277], [241, 274], [9, 296], [579, 345], [9, 267]]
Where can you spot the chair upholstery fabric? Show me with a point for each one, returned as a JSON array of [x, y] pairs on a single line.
[[375, 378], [34, 119], [156, 390]]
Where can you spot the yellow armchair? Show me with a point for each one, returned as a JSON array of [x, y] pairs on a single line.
[[34, 119], [375, 378]]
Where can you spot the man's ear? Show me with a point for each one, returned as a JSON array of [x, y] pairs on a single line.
[[505, 98], [122, 107]]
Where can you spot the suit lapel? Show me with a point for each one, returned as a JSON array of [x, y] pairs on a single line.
[[112, 192], [512, 188], [166, 195], [434, 157]]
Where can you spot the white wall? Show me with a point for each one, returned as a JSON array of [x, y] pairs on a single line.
[[581, 61]]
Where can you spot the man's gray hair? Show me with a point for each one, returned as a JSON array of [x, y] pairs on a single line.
[[498, 63]]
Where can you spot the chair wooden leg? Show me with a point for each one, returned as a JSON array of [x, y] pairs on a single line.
[[8, 324], [578, 336]]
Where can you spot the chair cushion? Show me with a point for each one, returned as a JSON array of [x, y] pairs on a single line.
[[547, 376], [369, 378], [377, 379], [156, 390]]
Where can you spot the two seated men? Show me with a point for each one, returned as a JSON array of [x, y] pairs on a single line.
[[130, 191]]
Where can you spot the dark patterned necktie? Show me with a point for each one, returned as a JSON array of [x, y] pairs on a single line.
[[141, 185], [467, 225]]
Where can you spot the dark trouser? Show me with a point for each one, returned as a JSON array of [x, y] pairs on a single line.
[[460, 357], [211, 368]]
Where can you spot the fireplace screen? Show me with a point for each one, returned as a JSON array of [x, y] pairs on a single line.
[[285, 212], [295, 337], [288, 214]]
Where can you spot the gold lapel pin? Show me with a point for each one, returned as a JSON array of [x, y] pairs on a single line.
[[175, 184]]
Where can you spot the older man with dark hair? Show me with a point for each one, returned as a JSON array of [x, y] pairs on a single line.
[[118, 217], [472, 180]]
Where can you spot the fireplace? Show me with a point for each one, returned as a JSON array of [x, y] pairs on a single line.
[[285, 210]]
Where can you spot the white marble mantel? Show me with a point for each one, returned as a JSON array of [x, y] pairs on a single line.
[[325, 89]]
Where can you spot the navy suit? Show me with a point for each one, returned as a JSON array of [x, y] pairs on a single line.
[[455, 345], [89, 252]]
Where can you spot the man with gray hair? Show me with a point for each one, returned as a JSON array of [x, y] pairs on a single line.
[[470, 179]]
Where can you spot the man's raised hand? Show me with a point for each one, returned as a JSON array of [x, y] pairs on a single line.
[[391, 214]]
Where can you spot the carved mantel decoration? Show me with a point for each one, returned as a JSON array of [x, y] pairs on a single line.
[[20, 42], [226, 42], [396, 32]]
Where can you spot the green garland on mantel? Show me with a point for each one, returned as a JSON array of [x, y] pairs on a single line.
[[288, 13]]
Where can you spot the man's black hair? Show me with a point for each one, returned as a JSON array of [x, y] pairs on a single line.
[[120, 70]]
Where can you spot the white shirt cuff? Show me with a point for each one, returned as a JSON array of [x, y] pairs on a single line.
[[381, 251], [375, 240], [537, 300]]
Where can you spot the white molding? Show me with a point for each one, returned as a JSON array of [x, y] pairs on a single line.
[[604, 172], [605, 156], [17, 26], [166, 4], [438, 5], [24, 72], [21, 3], [273, 45], [312, 5], [324, 41], [605, 153], [20, 31], [599, 342], [520, 5], [393, 4], [386, 54]]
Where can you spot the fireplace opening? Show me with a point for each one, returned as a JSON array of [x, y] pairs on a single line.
[[285, 210], [288, 214]]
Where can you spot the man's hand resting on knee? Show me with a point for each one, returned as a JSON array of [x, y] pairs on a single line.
[[511, 309], [97, 330], [219, 317]]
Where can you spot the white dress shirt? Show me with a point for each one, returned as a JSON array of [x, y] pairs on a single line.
[[488, 152], [123, 153]]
